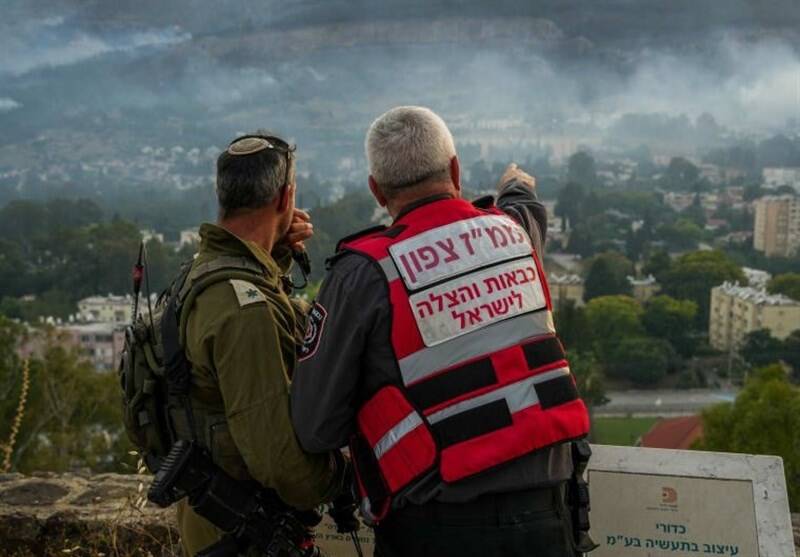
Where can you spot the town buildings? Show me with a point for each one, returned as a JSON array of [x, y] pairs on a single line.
[[739, 310], [644, 288], [105, 309], [570, 287], [775, 177], [99, 343], [566, 287], [189, 236], [674, 433], [776, 231]]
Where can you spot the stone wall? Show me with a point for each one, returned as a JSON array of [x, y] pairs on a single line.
[[72, 515]]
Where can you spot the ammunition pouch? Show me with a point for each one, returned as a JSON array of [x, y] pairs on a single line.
[[251, 516], [578, 497]]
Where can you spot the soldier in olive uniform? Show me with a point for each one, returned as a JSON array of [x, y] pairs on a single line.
[[240, 334]]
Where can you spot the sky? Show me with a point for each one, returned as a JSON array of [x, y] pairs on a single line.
[[222, 64]]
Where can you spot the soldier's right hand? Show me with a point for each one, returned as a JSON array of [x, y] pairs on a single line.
[[513, 173], [300, 230]]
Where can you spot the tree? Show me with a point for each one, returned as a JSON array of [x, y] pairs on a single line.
[[681, 234], [695, 212], [588, 374], [643, 361], [670, 319], [760, 348], [569, 204], [658, 264], [612, 319], [572, 326], [581, 169], [791, 353], [787, 284], [72, 414], [694, 274], [580, 241], [681, 174], [608, 275], [764, 419], [753, 192]]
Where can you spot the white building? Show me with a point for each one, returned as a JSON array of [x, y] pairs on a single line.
[[644, 288], [739, 310], [99, 343], [148, 235], [106, 309], [776, 177], [776, 230], [190, 236], [564, 288], [756, 278]]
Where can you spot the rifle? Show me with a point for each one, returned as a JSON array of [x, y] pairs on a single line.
[[250, 517]]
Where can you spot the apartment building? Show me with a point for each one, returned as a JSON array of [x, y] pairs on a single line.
[[99, 343], [566, 287], [106, 309], [775, 177], [739, 310], [644, 288], [570, 287], [776, 231]]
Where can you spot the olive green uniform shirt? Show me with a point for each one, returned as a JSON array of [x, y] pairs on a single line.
[[240, 339]]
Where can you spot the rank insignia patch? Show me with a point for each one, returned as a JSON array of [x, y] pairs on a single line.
[[316, 324], [246, 292]]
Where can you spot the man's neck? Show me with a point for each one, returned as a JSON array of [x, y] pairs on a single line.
[[251, 227], [407, 198]]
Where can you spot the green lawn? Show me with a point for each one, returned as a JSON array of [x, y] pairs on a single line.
[[620, 431]]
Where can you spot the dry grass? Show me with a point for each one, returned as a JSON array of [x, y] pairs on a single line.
[[16, 423]]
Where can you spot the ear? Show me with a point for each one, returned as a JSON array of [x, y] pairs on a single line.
[[376, 192], [455, 173], [284, 196]]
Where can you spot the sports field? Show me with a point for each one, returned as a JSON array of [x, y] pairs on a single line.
[[620, 431]]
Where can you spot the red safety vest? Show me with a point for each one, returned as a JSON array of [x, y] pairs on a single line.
[[482, 378]]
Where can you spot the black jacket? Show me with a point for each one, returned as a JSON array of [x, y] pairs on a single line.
[[351, 355]]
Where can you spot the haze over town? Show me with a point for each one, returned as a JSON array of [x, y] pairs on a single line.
[[664, 136]]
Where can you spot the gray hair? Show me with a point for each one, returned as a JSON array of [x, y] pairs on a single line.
[[406, 146], [251, 181]]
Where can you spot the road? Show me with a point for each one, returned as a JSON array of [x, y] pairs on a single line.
[[662, 402]]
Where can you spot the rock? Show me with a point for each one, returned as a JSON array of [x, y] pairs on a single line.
[[32, 493], [796, 530], [50, 513]]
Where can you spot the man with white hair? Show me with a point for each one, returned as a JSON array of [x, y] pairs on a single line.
[[431, 351]]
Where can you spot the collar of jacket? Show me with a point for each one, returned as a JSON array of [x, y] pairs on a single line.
[[215, 240], [422, 202]]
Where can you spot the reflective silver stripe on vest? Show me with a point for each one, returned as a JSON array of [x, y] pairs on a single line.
[[519, 395], [393, 436], [389, 269], [498, 336]]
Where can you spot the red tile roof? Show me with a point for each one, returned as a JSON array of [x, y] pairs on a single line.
[[674, 433]]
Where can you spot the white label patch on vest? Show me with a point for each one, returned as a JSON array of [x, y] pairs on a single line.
[[458, 247], [471, 302], [316, 325], [246, 292]]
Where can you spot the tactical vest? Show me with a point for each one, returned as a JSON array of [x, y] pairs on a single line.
[[155, 375], [482, 378]]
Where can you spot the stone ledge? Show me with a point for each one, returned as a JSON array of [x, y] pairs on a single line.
[[49, 514]]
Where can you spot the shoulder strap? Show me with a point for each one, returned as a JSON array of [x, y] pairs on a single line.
[[193, 281], [359, 234], [231, 264]]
